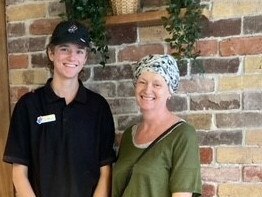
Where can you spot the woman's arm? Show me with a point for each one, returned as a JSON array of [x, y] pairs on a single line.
[[21, 182], [103, 188], [182, 194]]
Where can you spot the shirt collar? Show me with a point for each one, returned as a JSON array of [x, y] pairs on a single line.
[[80, 97]]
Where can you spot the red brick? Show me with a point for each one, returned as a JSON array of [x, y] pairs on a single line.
[[221, 28], [135, 53], [206, 155], [207, 47], [208, 190], [252, 174], [43, 26], [241, 46], [122, 34], [18, 61]]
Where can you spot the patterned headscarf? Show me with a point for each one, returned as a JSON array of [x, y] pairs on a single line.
[[165, 65]]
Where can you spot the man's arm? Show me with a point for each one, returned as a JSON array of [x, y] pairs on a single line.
[[21, 182], [103, 188]]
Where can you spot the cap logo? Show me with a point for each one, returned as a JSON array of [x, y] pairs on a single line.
[[82, 40], [72, 29]]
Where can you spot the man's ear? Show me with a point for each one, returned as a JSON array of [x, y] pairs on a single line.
[[50, 54]]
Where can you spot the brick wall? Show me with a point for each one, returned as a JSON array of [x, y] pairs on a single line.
[[224, 103]]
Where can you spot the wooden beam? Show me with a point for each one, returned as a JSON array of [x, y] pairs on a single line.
[[144, 18], [6, 186]]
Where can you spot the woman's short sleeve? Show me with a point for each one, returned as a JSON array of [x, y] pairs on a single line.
[[185, 173]]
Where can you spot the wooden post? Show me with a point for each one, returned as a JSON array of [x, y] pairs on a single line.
[[6, 186]]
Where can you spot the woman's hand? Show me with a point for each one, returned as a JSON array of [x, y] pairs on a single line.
[[182, 194]]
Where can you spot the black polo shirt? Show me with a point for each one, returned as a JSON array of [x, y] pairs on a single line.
[[63, 146]]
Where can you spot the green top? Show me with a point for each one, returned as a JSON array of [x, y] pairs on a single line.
[[172, 165]]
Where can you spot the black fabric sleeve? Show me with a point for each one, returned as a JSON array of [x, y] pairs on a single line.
[[17, 145], [107, 136]]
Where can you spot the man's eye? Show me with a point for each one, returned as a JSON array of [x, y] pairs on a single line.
[[63, 49], [80, 52]]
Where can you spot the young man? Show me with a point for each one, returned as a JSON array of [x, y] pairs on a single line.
[[61, 135]]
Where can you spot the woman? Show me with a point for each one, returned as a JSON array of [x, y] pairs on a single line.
[[171, 167]]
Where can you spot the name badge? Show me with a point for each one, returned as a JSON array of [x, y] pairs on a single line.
[[45, 119]]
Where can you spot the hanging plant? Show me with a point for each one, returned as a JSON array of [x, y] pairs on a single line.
[[184, 28], [94, 11], [183, 25]]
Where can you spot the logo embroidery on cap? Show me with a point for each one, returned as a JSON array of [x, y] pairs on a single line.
[[72, 29], [82, 40]]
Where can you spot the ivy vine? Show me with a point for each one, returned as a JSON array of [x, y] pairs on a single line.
[[184, 30]]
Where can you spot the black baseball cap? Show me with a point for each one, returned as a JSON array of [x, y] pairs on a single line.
[[70, 32]]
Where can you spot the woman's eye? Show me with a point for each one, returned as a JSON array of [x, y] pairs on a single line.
[[157, 85], [141, 82]]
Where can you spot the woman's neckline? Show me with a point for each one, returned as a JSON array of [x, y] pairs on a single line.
[[144, 145]]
